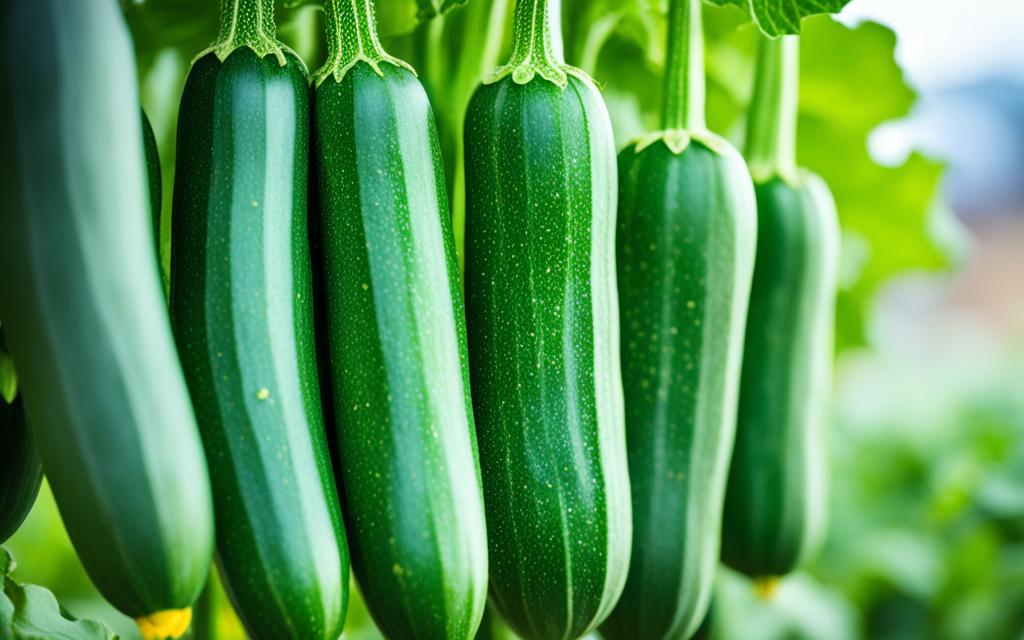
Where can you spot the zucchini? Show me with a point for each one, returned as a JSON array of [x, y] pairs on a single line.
[[686, 240], [84, 313], [408, 474], [775, 504], [20, 471], [154, 178], [544, 336], [242, 307]]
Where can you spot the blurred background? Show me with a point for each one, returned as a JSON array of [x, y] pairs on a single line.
[[914, 113]]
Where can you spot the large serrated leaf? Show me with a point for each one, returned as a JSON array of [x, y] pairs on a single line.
[[28, 612], [781, 17]]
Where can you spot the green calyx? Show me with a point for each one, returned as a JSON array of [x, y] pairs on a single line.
[[678, 141], [771, 127], [537, 46], [247, 23], [351, 38]]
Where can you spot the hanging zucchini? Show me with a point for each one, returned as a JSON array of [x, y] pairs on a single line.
[[20, 471], [409, 476], [242, 306], [85, 316], [687, 220], [544, 336], [775, 502]]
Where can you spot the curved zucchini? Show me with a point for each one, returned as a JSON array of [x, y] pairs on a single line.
[[20, 471], [544, 336], [774, 510], [686, 239], [242, 306], [409, 476], [85, 316], [153, 176], [775, 502]]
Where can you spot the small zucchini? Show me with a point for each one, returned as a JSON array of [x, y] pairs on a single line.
[[20, 471], [774, 511]]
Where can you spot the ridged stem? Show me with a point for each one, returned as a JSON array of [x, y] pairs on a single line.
[[771, 127], [247, 23], [537, 47], [684, 99], [351, 38]]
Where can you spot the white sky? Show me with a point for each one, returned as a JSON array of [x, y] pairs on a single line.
[[949, 42]]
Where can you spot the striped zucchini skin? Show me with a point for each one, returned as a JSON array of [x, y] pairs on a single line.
[[544, 352], [84, 313], [242, 305], [409, 476], [686, 239], [20, 471], [774, 513]]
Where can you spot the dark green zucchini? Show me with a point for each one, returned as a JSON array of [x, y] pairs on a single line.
[[154, 180], [408, 476], [544, 337], [687, 220], [775, 503], [85, 316], [20, 471], [242, 306]]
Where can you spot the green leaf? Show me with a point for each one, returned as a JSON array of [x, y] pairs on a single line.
[[29, 612], [780, 17]]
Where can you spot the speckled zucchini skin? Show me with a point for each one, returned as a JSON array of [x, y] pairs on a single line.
[[20, 471], [775, 502], [409, 476], [242, 305], [685, 256], [84, 313], [544, 352]]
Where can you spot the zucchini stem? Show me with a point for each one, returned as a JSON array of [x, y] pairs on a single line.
[[247, 23], [537, 47], [684, 99], [352, 38], [771, 127]]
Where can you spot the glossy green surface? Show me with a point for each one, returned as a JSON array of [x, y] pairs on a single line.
[[20, 471], [83, 309], [686, 238], [242, 305], [153, 176], [409, 476], [544, 352], [775, 502]]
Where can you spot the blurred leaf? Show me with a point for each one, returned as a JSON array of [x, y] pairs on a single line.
[[29, 612], [779, 17]]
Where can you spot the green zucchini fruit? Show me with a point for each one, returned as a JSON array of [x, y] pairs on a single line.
[[408, 473], [20, 471], [154, 179], [686, 239], [544, 336], [242, 308], [775, 503], [153, 176], [84, 313]]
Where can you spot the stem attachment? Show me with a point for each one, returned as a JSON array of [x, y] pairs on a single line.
[[537, 47], [684, 99], [247, 23], [771, 128], [351, 38]]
